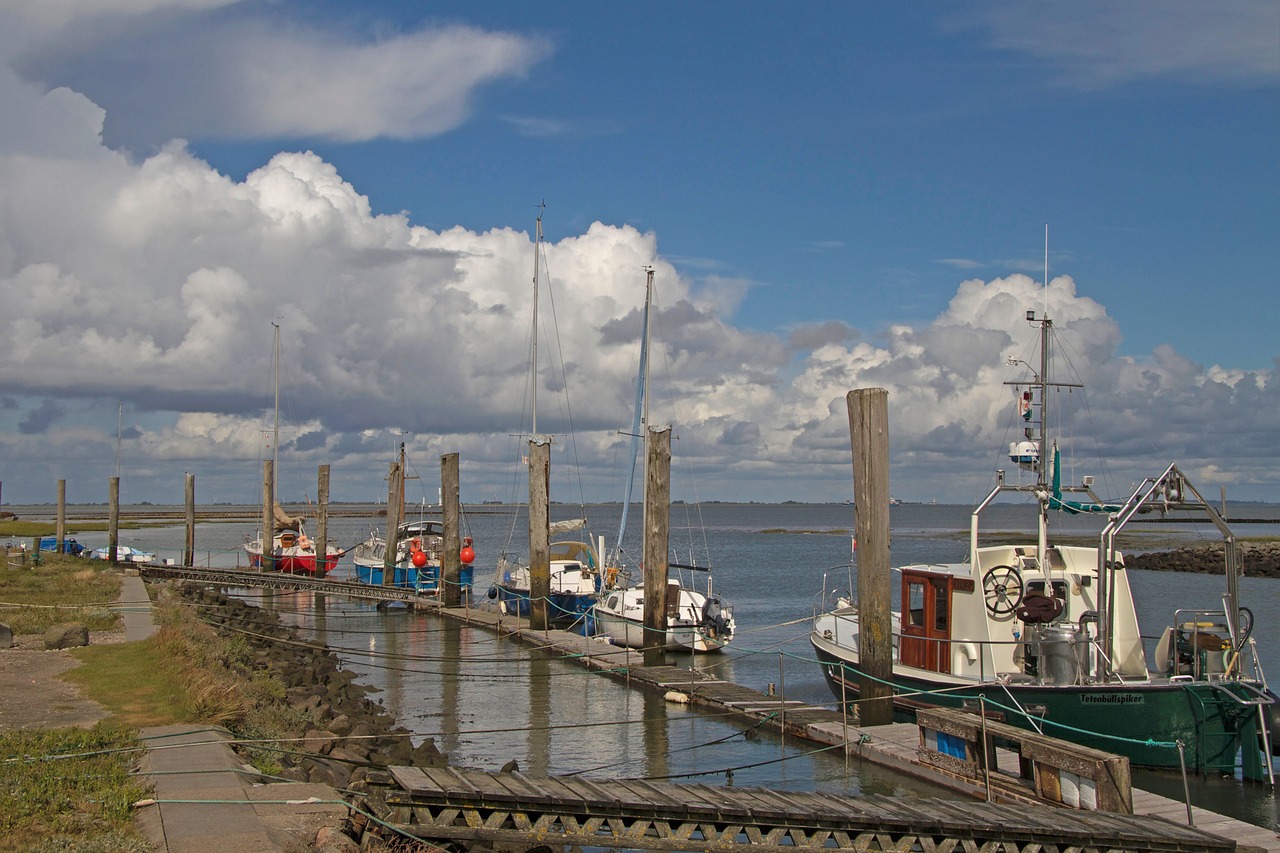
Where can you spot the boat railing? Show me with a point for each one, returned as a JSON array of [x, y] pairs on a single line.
[[1202, 646]]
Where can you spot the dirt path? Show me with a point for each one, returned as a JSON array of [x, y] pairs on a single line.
[[32, 692]]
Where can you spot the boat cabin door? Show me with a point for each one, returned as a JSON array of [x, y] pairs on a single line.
[[926, 621]]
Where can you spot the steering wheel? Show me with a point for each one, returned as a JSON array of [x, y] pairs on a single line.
[[1002, 590]]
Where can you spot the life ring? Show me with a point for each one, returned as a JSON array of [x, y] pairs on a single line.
[[416, 544], [303, 542]]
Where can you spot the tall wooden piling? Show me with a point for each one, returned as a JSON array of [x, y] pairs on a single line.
[[450, 561], [395, 490], [657, 528], [539, 532], [322, 524], [869, 431], [113, 520], [268, 515], [189, 547], [60, 532]]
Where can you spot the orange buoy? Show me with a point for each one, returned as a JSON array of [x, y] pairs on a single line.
[[419, 558], [467, 554]]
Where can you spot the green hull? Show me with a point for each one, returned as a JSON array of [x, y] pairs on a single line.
[[1143, 722]]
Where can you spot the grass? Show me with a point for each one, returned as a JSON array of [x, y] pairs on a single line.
[[19, 529], [69, 790], [185, 673], [60, 589]]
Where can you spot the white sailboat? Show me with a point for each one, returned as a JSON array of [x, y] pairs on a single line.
[[695, 621]]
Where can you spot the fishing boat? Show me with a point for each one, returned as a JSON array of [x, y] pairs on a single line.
[[1046, 634], [695, 621], [419, 546], [576, 576], [292, 551]]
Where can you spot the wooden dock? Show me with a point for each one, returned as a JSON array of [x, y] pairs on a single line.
[[451, 804], [896, 746]]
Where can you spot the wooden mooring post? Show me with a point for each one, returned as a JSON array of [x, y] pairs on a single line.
[[322, 526], [113, 519], [189, 546], [60, 531], [869, 429], [268, 516], [395, 491], [539, 532], [450, 581], [657, 528]]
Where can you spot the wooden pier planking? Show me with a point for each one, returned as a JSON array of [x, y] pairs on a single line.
[[466, 800]]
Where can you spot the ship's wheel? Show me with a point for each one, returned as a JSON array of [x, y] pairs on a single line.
[[1002, 590]]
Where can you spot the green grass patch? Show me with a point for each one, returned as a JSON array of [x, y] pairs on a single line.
[[69, 790], [134, 683], [27, 529], [60, 589]]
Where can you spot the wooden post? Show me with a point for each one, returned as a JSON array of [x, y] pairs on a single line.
[[657, 528], [60, 534], [394, 479], [189, 547], [113, 519], [322, 524], [539, 532], [869, 430], [268, 516], [450, 562]]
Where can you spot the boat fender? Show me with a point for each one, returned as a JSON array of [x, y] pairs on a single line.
[[493, 592], [677, 697]]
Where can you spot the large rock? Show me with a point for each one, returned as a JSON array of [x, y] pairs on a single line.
[[331, 839], [6, 636], [68, 635]]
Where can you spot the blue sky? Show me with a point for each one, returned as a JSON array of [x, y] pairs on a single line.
[[814, 183]]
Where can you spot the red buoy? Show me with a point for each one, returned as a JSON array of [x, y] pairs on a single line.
[[467, 554], [419, 558]]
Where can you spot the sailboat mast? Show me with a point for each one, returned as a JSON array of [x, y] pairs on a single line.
[[275, 432], [533, 360], [640, 414]]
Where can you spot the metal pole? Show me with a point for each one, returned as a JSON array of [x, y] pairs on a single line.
[[1186, 788]]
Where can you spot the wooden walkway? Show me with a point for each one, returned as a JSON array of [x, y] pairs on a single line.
[[470, 805]]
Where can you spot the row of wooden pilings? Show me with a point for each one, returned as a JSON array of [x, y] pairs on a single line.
[[869, 430]]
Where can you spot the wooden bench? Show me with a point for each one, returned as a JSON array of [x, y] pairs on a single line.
[[1058, 771]]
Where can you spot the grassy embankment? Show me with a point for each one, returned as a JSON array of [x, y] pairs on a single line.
[[70, 790]]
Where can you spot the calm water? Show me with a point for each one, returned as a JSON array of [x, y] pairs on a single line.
[[488, 700]]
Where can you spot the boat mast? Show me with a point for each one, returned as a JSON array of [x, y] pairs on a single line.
[[275, 431], [533, 360], [640, 415]]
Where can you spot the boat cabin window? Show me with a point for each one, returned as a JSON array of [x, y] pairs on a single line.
[[940, 610], [915, 603], [1059, 588]]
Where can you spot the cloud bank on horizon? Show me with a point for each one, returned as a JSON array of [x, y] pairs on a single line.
[[151, 282]]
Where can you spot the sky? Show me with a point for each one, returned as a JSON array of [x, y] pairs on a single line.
[[832, 196]]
